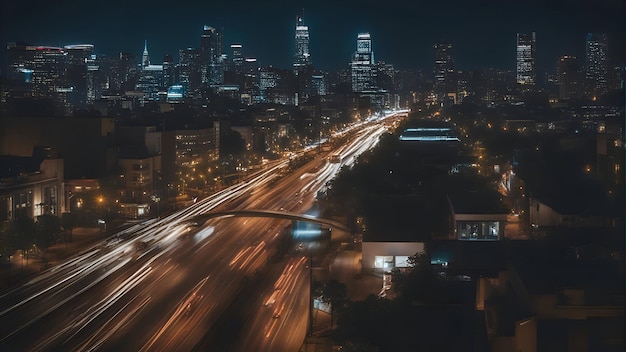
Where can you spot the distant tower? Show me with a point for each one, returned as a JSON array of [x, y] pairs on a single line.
[[237, 57], [445, 81], [569, 77], [211, 56], [596, 63], [526, 66], [302, 56], [363, 72], [145, 59]]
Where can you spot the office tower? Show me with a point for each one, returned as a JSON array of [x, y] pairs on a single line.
[[40, 73], [145, 58], [150, 78], [211, 65], [302, 56], [526, 66], [319, 83], [269, 78], [168, 70], [124, 72], [189, 70], [77, 70], [569, 75], [596, 63], [42, 68], [363, 72], [237, 58], [443, 70]]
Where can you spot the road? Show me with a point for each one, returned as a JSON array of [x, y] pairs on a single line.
[[161, 285]]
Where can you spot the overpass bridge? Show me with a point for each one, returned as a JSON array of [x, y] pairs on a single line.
[[202, 218]]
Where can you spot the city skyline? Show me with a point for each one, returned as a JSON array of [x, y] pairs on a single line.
[[402, 33]]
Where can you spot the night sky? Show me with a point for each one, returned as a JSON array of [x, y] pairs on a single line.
[[482, 32]]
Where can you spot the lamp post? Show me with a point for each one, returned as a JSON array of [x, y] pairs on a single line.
[[101, 220]]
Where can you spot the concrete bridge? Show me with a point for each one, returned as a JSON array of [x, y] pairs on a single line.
[[201, 219]]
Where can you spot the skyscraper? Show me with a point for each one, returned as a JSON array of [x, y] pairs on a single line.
[[145, 58], [443, 70], [302, 57], [526, 66], [77, 71], [40, 72], [150, 80], [569, 76], [237, 57], [189, 70], [363, 72], [211, 64], [596, 65]]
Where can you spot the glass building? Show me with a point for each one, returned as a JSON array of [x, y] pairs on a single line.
[[443, 70], [597, 65], [363, 72], [302, 56], [526, 66]]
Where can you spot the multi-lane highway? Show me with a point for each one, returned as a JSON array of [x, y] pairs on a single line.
[[162, 284]]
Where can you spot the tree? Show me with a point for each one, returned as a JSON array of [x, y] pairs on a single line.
[[48, 227], [22, 233], [418, 285], [232, 143], [335, 293]]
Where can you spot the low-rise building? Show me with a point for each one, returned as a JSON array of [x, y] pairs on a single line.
[[31, 186]]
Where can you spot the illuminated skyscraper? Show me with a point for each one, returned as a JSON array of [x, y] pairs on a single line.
[[150, 78], [302, 56], [168, 70], [237, 57], [189, 70], [211, 63], [597, 65], [40, 72], [363, 72], [443, 70], [145, 58], [526, 66]]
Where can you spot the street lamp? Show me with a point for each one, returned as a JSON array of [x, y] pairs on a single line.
[[101, 220], [100, 201]]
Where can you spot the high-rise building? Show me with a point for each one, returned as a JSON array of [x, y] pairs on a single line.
[[319, 83], [569, 75], [40, 72], [168, 70], [77, 70], [443, 70], [302, 56], [151, 78], [237, 57], [189, 70], [597, 63], [145, 58], [363, 71], [211, 65], [526, 65]]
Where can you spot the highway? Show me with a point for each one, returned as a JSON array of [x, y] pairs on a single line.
[[162, 284]]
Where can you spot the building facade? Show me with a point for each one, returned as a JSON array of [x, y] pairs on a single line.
[[363, 70], [526, 60], [597, 63], [302, 56], [443, 70]]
